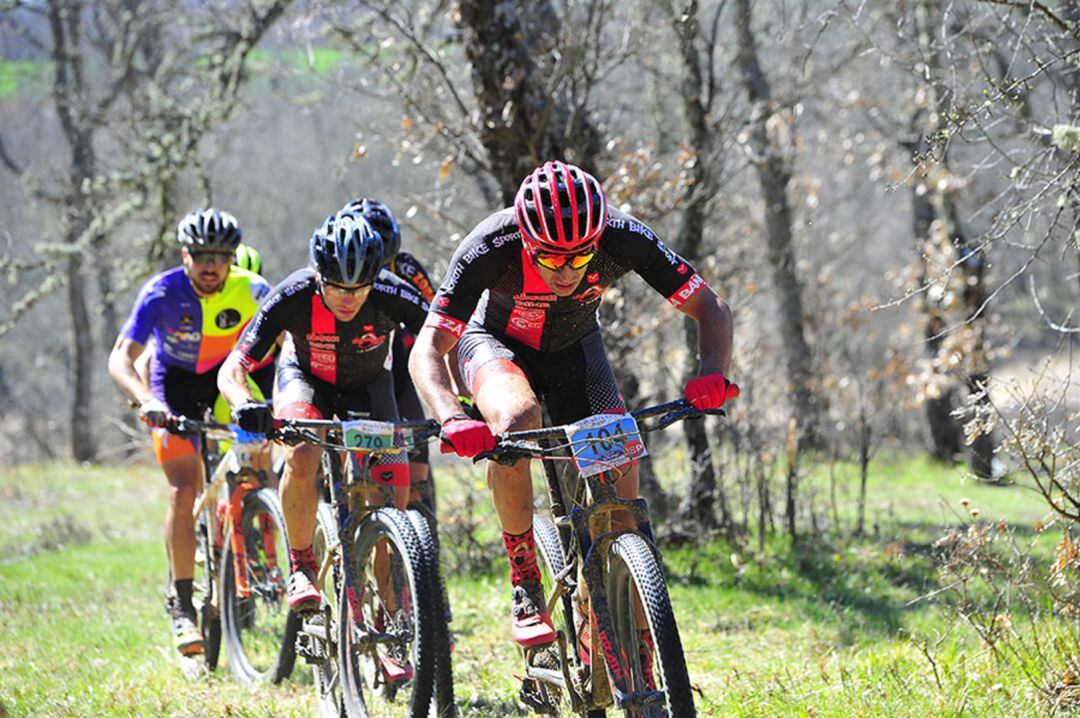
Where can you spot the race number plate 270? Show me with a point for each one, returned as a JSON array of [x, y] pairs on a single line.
[[605, 441], [367, 435]]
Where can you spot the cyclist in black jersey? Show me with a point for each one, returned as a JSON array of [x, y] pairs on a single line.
[[337, 317], [409, 268], [520, 301]]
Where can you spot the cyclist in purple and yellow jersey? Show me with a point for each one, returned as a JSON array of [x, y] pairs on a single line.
[[194, 313]]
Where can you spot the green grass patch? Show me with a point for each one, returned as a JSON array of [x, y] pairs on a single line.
[[830, 626], [21, 76], [317, 60]]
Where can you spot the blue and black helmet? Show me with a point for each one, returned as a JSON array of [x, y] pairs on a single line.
[[382, 219], [347, 250]]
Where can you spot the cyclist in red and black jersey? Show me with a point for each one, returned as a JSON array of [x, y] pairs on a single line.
[[337, 317], [407, 267], [520, 301]]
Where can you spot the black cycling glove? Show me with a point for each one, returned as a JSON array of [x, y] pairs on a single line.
[[254, 417]]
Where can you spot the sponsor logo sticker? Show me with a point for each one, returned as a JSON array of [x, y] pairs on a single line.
[[227, 318]]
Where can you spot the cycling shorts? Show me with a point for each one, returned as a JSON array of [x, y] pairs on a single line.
[[190, 395], [300, 395], [571, 383]]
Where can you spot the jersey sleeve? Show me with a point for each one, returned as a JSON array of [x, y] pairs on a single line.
[[639, 249], [410, 268], [475, 267], [401, 301], [262, 331], [140, 323]]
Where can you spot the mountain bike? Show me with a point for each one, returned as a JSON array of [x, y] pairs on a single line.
[[379, 645], [241, 559], [609, 579]]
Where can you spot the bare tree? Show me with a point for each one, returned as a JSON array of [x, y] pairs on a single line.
[[767, 122], [700, 90], [945, 227], [109, 73]]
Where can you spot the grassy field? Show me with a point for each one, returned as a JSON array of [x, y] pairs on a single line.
[[816, 630]]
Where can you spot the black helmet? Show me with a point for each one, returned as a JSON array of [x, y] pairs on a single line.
[[347, 250], [209, 230], [382, 219]]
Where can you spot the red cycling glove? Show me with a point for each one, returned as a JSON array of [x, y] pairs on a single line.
[[466, 437], [709, 391]]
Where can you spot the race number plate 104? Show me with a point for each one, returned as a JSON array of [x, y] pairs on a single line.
[[367, 435], [605, 441]]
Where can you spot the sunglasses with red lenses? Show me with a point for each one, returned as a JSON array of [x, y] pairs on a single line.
[[555, 262]]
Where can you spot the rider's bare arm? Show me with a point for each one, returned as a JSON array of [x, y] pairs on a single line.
[[122, 369], [427, 365], [233, 380], [715, 330]]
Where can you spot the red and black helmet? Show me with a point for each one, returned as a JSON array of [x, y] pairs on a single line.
[[560, 208]]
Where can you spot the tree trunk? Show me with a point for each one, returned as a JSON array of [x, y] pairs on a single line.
[[698, 506], [773, 177], [946, 438], [864, 469], [83, 447], [522, 122], [791, 489], [971, 259]]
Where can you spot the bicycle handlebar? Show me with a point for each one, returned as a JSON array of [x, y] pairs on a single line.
[[294, 431], [519, 444]]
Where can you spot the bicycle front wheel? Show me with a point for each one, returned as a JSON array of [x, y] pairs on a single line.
[[259, 629], [320, 634], [204, 590], [387, 643], [638, 600]]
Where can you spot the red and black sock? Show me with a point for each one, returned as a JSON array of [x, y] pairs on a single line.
[[521, 549], [302, 559]]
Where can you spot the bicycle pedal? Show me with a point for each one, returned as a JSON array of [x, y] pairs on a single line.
[[533, 697]]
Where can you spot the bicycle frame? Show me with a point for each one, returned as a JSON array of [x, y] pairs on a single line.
[[233, 471], [345, 489], [586, 536]]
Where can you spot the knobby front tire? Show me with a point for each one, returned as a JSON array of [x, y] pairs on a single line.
[[550, 560], [325, 671], [445, 706], [633, 571], [407, 609], [204, 591], [260, 631]]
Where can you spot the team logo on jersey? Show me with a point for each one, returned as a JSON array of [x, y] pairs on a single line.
[[687, 290], [682, 268], [593, 277], [227, 318], [369, 339], [527, 319], [186, 319], [443, 301], [590, 295]]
